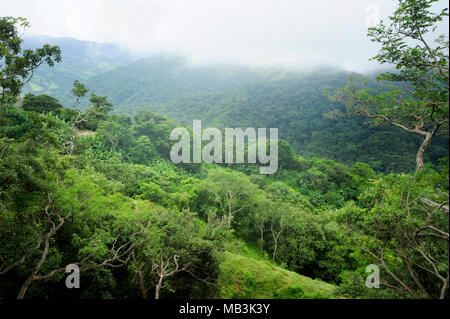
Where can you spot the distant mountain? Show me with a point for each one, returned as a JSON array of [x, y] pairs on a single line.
[[83, 50], [80, 61], [161, 79], [235, 96], [232, 96]]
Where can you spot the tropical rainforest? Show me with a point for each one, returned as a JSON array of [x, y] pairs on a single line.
[[86, 177]]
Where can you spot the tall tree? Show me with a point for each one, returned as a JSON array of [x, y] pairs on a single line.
[[232, 191], [79, 91], [17, 65], [415, 97]]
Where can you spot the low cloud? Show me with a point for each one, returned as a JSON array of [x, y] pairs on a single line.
[[256, 32]]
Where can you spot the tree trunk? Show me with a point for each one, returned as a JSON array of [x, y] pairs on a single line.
[[275, 243], [158, 286], [230, 215], [408, 289], [416, 279], [275, 250], [32, 276], [142, 284], [262, 242], [275, 240], [261, 239], [421, 152], [444, 288], [25, 286]]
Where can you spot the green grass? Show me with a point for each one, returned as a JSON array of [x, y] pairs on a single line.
[[245, 274]]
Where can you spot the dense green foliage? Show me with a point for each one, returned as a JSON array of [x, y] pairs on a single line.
[[129, 195], [236, 96], [93, 187], [294, 103], [41, 104]]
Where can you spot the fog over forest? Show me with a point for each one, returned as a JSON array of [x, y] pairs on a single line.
[[274, 32]]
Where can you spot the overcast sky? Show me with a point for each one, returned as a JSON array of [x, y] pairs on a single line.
[[260, 32]]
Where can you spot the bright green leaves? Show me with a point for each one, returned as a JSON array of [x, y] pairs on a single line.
[[395, 225]]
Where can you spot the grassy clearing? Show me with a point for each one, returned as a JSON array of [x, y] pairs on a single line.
[[245, 274]]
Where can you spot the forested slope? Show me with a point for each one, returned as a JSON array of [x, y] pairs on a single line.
[[235, 96], [294, 103], [291, 101]]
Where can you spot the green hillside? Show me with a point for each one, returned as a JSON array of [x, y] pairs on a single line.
[[291, 101], [236, 96], [161, 79], [245, 274]]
